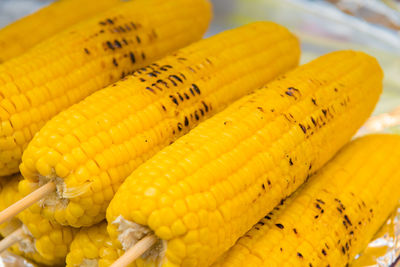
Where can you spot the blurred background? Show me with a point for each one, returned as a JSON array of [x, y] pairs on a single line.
[[322, 26]]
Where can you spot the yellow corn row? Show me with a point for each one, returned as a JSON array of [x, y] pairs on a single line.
[[333, 217], [90, 149], [45, 242], [25, 33], [203, 192], [92, 246], [88, 56]]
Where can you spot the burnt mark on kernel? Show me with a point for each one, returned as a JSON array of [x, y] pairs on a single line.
[[290, 162], [314, 101], [191, 91], [201, 111], [299, 255], [302, 128], [124, 41], [115, 62], [180, 126], [323, 252], [152, 74], [86, 51], [280, 226], [173, 76], [110, 45], [174, 99], [263, 186], [163, 107], [186, 121], [196, 88], [313, 121], [267, 217], [295, 230], [325, 112], [151, 90], [117, 44], [186, 96], [138, 39], [320, 201], [110, 21], [180, 96], [347, 219], [143, 56], [343, 250], [196, 116], [163, 83], [134, 25], [132, 57]]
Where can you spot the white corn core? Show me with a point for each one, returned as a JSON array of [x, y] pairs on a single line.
[[131, 233]]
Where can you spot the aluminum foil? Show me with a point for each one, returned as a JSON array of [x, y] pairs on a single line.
[[323, 26]]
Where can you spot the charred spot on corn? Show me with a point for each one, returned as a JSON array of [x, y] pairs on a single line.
[[314, 101], [115, 63], [299, 255], [280, 226], [302, 128]]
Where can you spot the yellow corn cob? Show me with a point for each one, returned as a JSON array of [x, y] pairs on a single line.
[[90, 149], [92, 246], [203, 192], [23, 34], [46, 242], [88, 56], [333, 217]]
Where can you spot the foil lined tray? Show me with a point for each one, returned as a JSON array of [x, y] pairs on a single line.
[[372, 26]]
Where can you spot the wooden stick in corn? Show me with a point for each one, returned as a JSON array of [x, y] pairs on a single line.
[[333, 217], [11, 239], [43, 241], [26, 202], [86, 57], [203, 192], [89, 149], [20, 36], [136, 251]]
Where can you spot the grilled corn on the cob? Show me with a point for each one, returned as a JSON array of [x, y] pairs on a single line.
[[90, 149], [23, 34], [88, 56], [44, 241], [333, 217], [203, 192]]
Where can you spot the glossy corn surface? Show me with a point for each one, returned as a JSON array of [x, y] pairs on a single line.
[[90, 149], [212, 185], [20, 36], [333, 217], [85, 58], [92, 246]]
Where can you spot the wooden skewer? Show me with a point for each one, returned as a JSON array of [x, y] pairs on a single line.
[[135, 251], [11, 239], [26, 202]]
